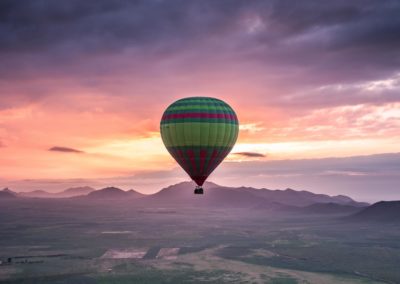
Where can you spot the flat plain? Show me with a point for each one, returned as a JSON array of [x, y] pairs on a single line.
[[76, 241]]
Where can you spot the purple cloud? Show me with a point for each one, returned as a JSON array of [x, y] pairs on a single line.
[[309, 42], [65, 150], [250, 154]]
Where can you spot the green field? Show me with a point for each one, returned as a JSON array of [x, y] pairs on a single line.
[[66, 241]]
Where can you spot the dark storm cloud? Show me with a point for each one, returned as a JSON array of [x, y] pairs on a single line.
[[330, 42], [76, 26], [105, 25], [250, 154], [39, 38], [307, 43], [65, 150]]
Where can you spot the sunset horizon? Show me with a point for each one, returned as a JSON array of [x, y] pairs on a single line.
[[199, 141], [81, 104]]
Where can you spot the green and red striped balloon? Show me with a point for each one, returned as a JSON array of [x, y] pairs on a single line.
[[199, 132]]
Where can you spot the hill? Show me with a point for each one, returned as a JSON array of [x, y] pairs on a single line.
[[302, 198], [7, 194], [383, 211], [75, 191], [182, 193], [37, 194], [70, 192], [113, 193]]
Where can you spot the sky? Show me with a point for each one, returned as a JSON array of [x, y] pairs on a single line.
[[315, 85]]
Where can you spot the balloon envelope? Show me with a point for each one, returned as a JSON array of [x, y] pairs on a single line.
[[199, 132]]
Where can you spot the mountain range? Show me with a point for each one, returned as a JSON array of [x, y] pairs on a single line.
[[380, 212], [70, 192], [216, 196], [244, 196]]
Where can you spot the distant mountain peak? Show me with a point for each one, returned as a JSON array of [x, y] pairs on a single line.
[[6, 189], [289, 189], [111, 188], [382, 211], [7, 193], [107, 190], [79, 189], [343, 198], [113, 192]]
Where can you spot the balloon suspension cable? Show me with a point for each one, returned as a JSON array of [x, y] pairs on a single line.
[[198, 190]]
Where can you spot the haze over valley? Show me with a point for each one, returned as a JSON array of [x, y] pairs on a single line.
[[199, 141], [83, 235]]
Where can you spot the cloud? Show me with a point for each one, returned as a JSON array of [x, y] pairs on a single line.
[[65, 150], [250, 154], [336, 38], [368, 164], [368, 178], [276, 52], [384, 90]]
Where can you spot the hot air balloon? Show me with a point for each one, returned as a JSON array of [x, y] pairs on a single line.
[[199, 132]]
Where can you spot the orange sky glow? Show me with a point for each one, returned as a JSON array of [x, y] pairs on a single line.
[[124, 142], [82, 102]]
